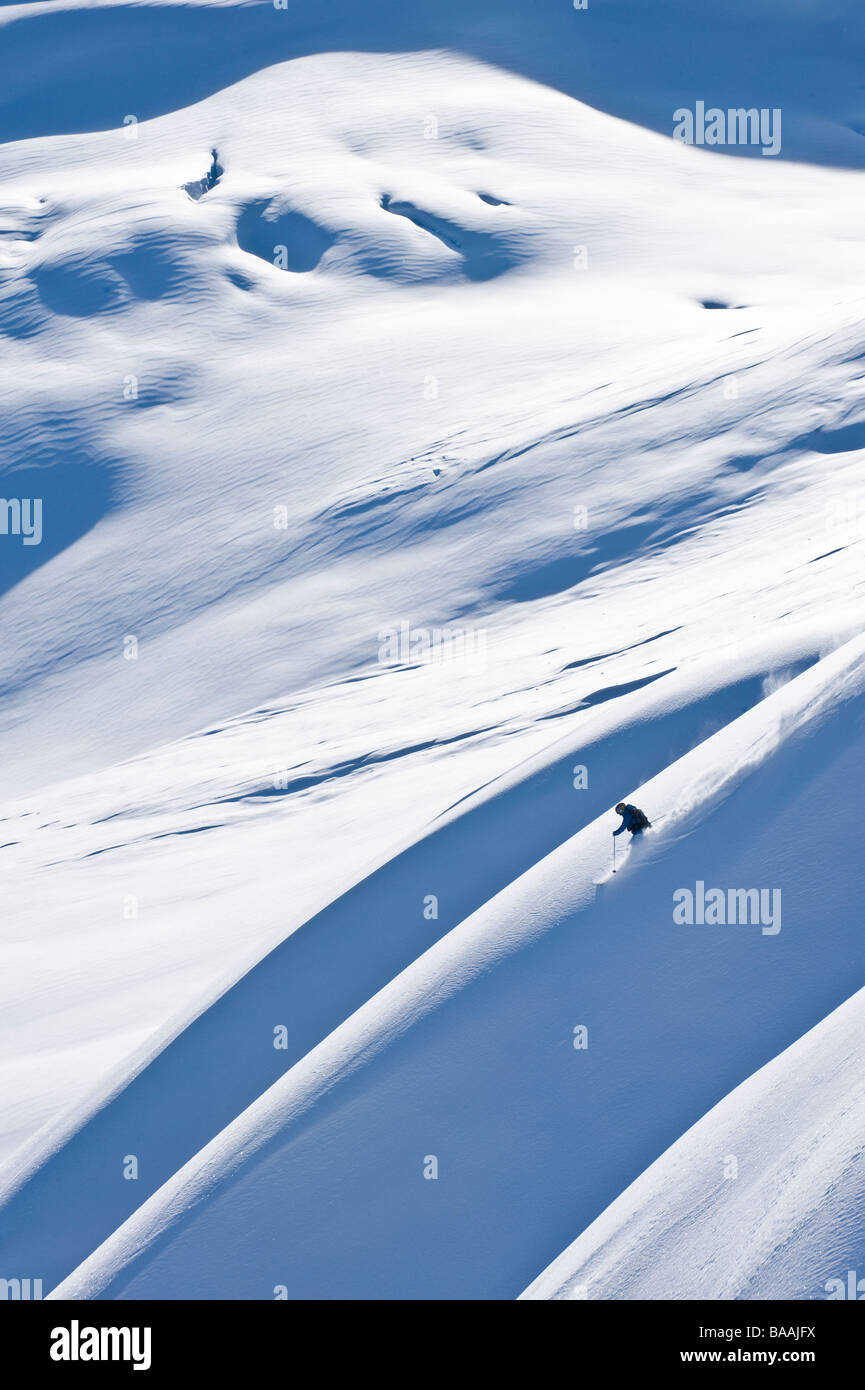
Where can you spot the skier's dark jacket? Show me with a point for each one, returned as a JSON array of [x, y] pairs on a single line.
[[633, 819]]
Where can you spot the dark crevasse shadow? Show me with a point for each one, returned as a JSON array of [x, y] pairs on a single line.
[[198, 187], [483, 255], [82, 70], [282, 237]]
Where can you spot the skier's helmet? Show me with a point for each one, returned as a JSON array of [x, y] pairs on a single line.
[[620, 809]]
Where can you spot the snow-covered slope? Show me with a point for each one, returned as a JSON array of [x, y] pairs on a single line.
[[763, 1198], [467, 432], [468, 1056]]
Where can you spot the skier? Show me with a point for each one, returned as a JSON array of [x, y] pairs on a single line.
[[633, 819]]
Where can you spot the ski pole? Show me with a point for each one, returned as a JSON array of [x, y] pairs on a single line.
[[614, 851]]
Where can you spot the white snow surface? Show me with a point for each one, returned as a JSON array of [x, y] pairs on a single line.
[[460, 341]]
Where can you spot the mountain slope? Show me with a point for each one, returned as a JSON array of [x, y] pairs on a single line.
[[429, 452], [761, 1199]]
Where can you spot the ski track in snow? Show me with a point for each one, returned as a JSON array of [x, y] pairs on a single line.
[[459, 341]]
